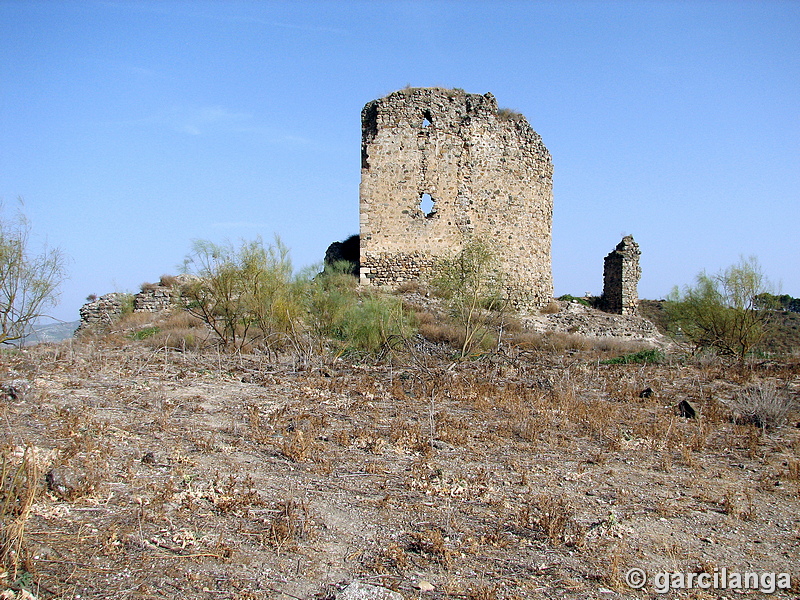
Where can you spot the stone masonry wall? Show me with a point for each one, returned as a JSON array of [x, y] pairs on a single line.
[[102, 311], [154, 297], [621, 275], [486, 172]]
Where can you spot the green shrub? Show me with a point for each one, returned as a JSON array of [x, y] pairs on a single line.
[[571, 298], [246, 295], [652, 356], [370, 325], [146, 332], [360, 321], [126, 304]]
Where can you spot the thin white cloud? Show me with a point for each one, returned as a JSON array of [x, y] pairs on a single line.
[[296, 140], [193, 120], [293, 26], [238, 225], [198, 120]]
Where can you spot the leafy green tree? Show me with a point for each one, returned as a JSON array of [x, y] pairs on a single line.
[[723, 311], [246, 295], [470, 283], [29, 282], [782, 302]]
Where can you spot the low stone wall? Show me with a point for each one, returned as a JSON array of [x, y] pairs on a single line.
[[102, 311], [154, 298], [576, 318], [391, 269]]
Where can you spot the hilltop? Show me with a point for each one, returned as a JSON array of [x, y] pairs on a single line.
[[539, 471]]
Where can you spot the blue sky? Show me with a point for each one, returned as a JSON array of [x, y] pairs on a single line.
[[132, 128]]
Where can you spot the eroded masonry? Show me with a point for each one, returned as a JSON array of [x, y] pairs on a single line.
[[439, 167], [621, 274]]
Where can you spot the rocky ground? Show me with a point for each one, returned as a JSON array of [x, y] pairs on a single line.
[[529, 473]]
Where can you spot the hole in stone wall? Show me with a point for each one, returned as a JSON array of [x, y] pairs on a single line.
[[427, 119], [427, 205]]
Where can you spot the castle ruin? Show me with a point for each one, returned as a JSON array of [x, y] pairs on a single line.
[[621, 273], [441, 166]]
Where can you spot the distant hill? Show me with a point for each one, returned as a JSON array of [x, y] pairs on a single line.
[[54, 332]]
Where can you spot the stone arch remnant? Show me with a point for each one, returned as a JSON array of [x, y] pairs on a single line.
[[440, 166]]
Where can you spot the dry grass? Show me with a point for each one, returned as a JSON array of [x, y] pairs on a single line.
[[762, 404], [442, 333], [168, 280], [19, 487], [550, 308], [409, 287], [533, 473]]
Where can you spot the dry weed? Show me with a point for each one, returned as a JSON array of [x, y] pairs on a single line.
[[298, 448], [452, 430], [550, 308], [762, 404], [483, 592], [393, 558], [529, 426], [431, 544], [793, 470], [408, 287], [19, 487], [235, 496], [292, 522], [734, 507], [439, 333], [554, 516], [550, 341]]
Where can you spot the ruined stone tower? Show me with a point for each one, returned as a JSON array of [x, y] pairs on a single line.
[[621, 273], [439, 166]]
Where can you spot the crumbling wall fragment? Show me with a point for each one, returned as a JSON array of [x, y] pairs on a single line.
[[621, 274]]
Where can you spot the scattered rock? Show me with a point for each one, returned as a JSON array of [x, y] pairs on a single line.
[[584, 320], [647, 393], [19, 595], [68, 482], [42, 552], [15, 390], [425, 586], [363, 591], [686, 410]]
